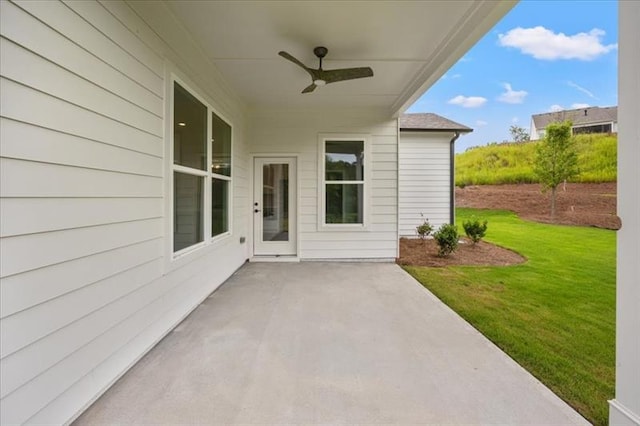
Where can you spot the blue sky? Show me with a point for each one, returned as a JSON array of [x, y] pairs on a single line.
[[542, 55]]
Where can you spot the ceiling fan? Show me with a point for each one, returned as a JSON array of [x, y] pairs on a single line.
[[321, 77]]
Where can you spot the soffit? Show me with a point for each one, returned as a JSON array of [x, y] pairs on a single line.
[[409, 44]]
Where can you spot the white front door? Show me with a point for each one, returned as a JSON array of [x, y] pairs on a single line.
[[274, 206]]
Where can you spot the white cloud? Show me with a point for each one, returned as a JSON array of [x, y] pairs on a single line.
[[511, 96], [581, 89], [555, 108], [481, 123], [468, 101], [578, 106], [514, 120], [452, 77], [542, 43]]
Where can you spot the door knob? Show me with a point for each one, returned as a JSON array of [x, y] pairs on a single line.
[[256, 210]]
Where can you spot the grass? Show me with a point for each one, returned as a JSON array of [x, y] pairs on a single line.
[[554, 314], [513, 162]]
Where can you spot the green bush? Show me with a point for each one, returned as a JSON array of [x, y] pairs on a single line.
[[447, 238], [475, 229], [425, 229]]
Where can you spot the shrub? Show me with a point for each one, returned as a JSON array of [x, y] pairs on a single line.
[[475, 229], [447, 239], [425, 229]]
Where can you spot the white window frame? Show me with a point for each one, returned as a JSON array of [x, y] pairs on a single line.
[[207, 174], [322, 182]]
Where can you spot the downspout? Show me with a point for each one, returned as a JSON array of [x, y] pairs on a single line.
[[452, 180]]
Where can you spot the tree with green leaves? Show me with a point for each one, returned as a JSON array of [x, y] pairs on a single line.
[[518, 134], [556, 159]]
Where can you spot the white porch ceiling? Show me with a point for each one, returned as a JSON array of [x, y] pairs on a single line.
[[409, 45]]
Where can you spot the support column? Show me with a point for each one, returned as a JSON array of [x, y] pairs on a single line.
[[625, 408]]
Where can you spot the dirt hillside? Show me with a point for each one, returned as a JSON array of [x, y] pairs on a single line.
[[577, 204]]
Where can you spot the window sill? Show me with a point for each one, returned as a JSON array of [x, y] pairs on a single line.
[[199, 247]]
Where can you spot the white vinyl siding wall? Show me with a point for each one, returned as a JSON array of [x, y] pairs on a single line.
[[423, 179], [296, 132], [86, 284]]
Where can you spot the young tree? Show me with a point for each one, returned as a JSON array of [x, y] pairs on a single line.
[[556, 159], [518, 134]]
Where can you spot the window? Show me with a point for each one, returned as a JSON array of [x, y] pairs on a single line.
[[220, 175], [201, 171], [595, 128], [344, 173]]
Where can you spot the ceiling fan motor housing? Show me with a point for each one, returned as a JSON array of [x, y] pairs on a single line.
[[320, 51]]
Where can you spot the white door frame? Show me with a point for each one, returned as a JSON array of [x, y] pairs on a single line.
[[275, 249]]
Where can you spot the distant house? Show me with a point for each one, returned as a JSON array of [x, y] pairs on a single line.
[[585, 120], [425, 170]]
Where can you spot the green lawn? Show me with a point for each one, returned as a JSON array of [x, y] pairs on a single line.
[[554, 314]]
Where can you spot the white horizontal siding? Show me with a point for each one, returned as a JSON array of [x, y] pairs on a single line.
[[118, 33], [428, 184], [60, 148], [86, 288], [34, 179], [296, 132], [28, 105], [27, 31], [22, 66], [28, 289], [64, 20], [24, 327], [434, 173], [423, 180], [360, 253], [26, 252], [21, 216]]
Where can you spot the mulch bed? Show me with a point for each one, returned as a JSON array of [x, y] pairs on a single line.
[[419, 252], [577, 204]]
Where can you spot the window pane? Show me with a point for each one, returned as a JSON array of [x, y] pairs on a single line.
[[189, 130], [220, 147], [275, 202], [219, 206], [344, 203], [344, 160], [187, 210]]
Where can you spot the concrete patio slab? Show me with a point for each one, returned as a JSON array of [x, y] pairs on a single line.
[[327, 343]]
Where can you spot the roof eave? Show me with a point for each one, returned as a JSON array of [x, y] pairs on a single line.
[[413, 129], [471, 28]]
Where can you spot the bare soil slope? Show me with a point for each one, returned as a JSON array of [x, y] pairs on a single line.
[[584, 204]]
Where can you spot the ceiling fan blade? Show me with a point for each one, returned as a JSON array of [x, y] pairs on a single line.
[[331, 76], [294, 60], [310, 88]]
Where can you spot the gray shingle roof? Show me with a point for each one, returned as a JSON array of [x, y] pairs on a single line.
[[578, 117], [430, 122]]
